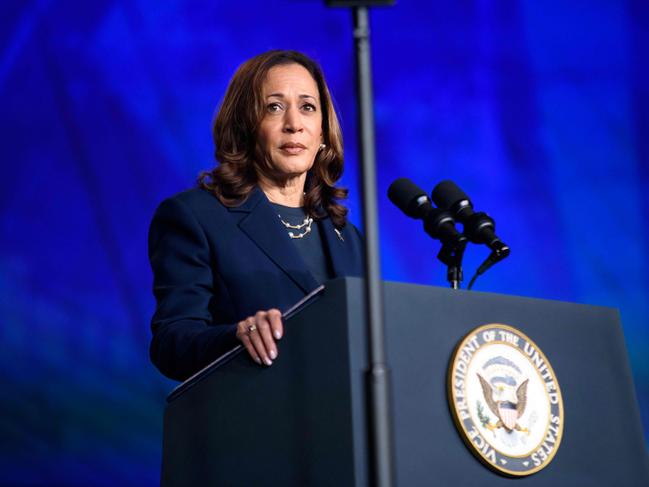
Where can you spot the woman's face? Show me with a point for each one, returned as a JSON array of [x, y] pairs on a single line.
[[291, 131]]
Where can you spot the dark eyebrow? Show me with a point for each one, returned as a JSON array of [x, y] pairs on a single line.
[[281, 95]]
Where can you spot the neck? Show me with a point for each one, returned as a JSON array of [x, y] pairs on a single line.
[[286, 193]]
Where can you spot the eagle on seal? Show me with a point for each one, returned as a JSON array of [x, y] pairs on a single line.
[[499, 399]]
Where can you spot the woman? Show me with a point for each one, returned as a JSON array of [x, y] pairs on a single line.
[[262, 230]]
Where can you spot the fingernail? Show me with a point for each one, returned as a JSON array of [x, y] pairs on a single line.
[[273, 354], [269, 362], [258, 360], [278, 335]]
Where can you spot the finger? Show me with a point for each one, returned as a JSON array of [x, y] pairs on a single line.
[[242, 335], [276, 325], [245, 340], [263, 326], [258, 343]]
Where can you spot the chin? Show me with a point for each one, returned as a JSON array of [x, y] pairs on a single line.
[[293, 165]]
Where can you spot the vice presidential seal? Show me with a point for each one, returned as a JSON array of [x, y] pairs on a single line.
[[505, 400]]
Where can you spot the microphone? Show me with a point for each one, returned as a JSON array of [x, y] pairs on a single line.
[[415, 203], [479, 227]]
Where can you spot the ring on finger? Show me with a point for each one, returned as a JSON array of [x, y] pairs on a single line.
[[251, 328]]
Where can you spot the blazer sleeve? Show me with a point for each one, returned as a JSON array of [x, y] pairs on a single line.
[[185, 338]]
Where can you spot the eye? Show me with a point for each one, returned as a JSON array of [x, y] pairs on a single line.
[[309, 107], [273, 107]]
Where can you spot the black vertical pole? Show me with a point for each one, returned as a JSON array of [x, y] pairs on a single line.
[[381, 458]]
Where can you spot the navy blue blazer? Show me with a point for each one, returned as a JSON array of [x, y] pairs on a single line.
[[215, 265]]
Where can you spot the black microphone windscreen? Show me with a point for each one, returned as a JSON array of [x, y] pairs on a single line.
[[447, 193], [408, 197]]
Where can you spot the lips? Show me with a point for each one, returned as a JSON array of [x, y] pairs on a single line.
[[292, 147]]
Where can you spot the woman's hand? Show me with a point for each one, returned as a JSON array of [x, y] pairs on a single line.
[[258, 334]]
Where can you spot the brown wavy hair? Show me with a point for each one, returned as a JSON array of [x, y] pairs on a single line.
[[240, 157]]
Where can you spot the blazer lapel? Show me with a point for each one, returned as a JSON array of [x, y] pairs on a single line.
[[261, 225], [340, 249]]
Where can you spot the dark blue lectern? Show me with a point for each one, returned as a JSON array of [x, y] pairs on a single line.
[[302, 422]]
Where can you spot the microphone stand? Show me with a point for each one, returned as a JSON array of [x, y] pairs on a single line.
[[451, 255], [377, 376], [382, 470]]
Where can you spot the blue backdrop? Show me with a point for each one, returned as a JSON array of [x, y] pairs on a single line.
[[539, 110]]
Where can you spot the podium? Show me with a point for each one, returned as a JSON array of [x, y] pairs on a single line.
[[303, 422]]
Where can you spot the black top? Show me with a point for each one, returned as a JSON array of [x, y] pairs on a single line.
[[311, 246]]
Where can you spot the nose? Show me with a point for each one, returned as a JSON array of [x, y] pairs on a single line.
[[292, 120]]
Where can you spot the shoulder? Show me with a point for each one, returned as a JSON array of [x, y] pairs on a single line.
[[184, 213], [194, 200], [354, 235], [352, 232], [194, 204], [353, 229]]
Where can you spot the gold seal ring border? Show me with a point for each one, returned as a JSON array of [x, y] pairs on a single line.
[[459, 424], [547, 395]]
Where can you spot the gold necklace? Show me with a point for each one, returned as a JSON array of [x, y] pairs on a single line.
[[306, 223]]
